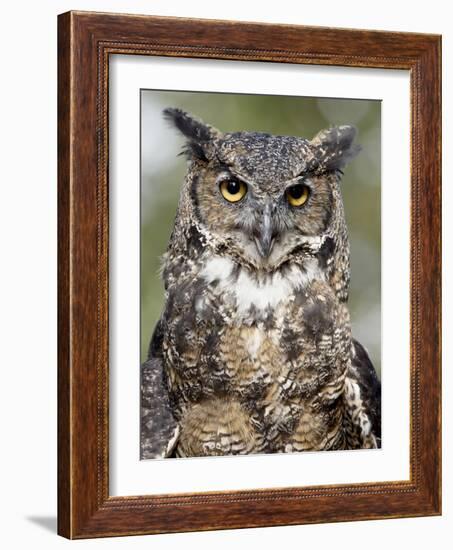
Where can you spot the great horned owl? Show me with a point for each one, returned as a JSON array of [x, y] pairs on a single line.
[[253, 352]]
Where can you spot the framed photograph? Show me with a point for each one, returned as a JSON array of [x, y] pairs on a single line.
[[249, 275]]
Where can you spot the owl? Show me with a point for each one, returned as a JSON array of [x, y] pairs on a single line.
[[253, 352]]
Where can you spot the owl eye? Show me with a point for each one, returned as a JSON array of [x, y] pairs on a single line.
[[297, 195], [233, 190]]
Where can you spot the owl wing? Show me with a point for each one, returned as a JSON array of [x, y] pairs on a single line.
[[363, 399], [159, 431]]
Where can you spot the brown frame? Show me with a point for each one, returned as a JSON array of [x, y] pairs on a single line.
[[85, 41]]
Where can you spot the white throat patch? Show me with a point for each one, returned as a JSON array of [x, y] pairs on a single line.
[[261, 293]]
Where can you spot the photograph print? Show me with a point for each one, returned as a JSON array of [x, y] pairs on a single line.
[[260, 274]]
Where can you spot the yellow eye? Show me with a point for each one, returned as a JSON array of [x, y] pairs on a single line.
[[233, 190], [297, 195]]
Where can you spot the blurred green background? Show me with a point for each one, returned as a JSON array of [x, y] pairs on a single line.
[[163, 172]]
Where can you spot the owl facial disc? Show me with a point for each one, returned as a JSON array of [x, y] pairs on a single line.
[[263, 199]]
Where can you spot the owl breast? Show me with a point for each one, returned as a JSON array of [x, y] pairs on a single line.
[[256, 361]]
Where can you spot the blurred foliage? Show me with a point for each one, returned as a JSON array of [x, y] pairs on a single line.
[[163, 171]]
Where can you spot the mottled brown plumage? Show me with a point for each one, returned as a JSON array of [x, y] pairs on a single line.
[[253, 352]]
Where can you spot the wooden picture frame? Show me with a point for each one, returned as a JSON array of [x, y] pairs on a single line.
[[85, 42]]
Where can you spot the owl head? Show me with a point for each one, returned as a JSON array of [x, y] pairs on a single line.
[[268, 199]]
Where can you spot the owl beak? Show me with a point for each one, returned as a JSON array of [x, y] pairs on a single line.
[[265, 238]]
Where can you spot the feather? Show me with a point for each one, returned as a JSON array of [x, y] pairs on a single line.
[[159, 430]]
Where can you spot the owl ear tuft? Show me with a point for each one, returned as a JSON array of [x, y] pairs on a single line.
[[335, 147], [199, 135]]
